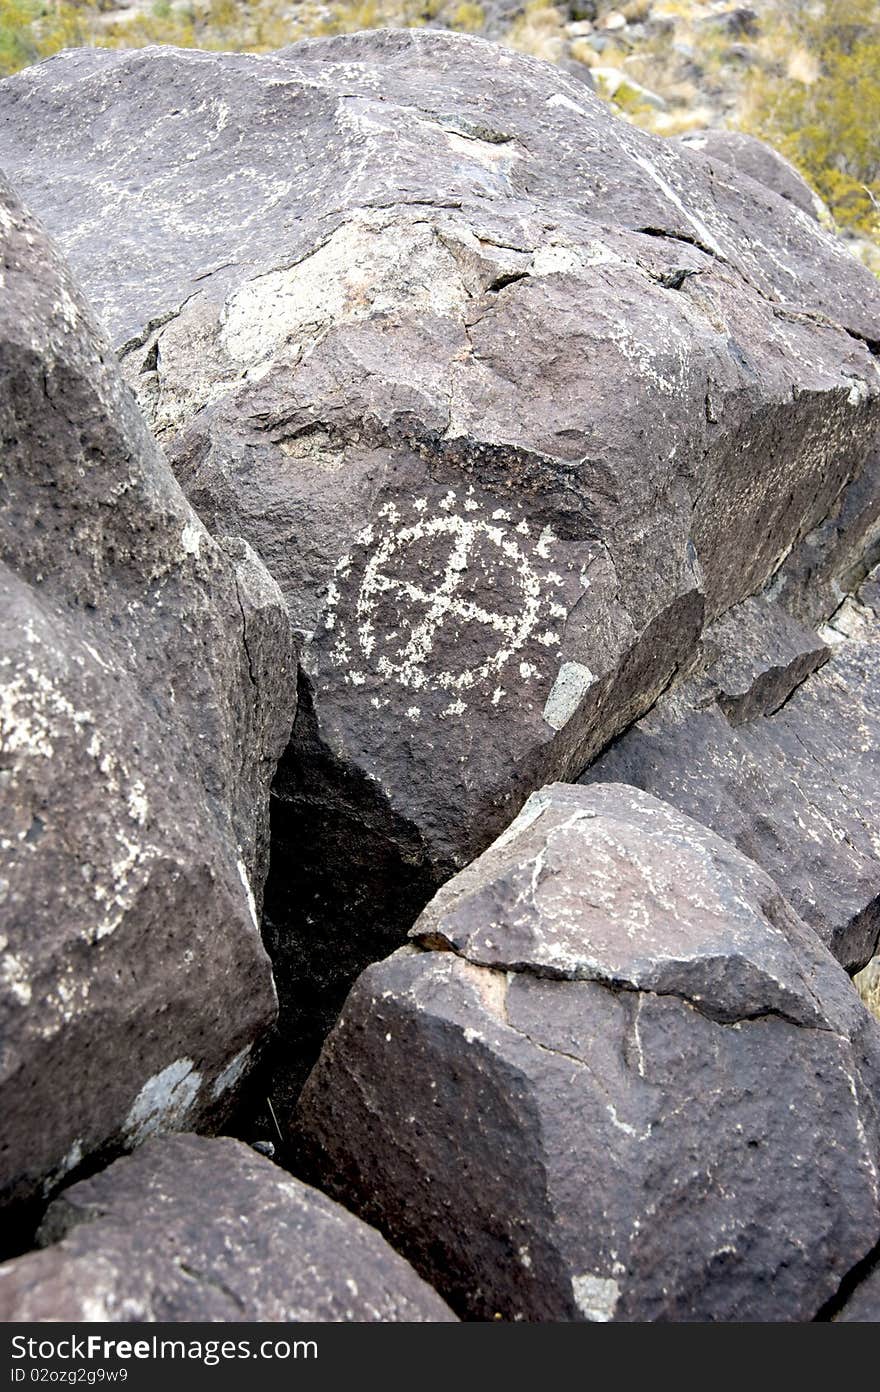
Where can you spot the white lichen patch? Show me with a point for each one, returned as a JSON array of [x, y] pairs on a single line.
[[67, 1164], [367, 267], [31, 708], [232, 1073], [595, 1296], [859, 391], [246, 884], [554, 259], [15, 975], [163, 1103], [191, 538], [572, 683]]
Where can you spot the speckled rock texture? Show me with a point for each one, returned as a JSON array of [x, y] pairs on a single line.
[[510, 396], [615, 1077], [796, 788], [863, 1304], [759, 161], [147, 686], [830, 562], [194, 1229]]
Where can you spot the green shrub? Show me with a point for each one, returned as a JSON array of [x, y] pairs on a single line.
[[828, 126]]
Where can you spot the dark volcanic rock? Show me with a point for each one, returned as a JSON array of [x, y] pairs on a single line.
[[146, 678], [758, 654], [830, 562], [759, 161], [191, 1229], [506, 393], [633, 1086], [798, 792]]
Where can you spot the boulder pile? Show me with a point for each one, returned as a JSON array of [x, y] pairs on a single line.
[[451, 442], [615, 1077]]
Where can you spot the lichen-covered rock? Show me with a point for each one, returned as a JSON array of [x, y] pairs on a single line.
[[193, 1229], [508, 395], [140, 721], [798, 792], [615, 1078]]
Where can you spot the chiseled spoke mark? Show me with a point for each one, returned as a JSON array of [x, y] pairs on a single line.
[[426, 633]]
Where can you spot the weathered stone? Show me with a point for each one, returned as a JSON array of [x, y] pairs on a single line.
[[633, 1086], [146, 690], [507, 394], [863, 1305], [758, 655], [830, 562], [799, 792], [760, 162], [194, 1229]]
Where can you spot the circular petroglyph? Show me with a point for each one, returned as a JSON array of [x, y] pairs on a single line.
[[437, 611], [445, 600]]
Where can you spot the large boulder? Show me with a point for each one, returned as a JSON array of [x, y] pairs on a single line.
[[509, 395], [794, 780], [146, 690], [193, 1229], [615, 1077], [759, 161]]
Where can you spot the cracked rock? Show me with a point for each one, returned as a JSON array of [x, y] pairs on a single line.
[[509, 396], [615, 1077], [830, 562], [862, 1306], [796, 791], [146, 691], [193, 1229]]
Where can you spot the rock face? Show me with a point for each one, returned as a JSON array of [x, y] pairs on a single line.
[[863, 1305], [759, 161], [614, 1078], [509, 396], [798, 790], [146, 690], [191, 1229], [830, 562]]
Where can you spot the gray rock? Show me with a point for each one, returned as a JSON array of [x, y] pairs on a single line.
[[507, 394], [759, 161], [145, 694], [757, 654], [192, 1229], [863, 1305], [631, 1086], [797, 792]]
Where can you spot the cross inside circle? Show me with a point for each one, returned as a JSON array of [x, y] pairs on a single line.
[[424, 593]]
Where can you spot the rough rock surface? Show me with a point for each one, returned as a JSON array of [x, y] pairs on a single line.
[[798, 791], [194, 1229], [830, 562], [146, 690], [507, 394], [863, 1305], [632, 1086], [759, 161]]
